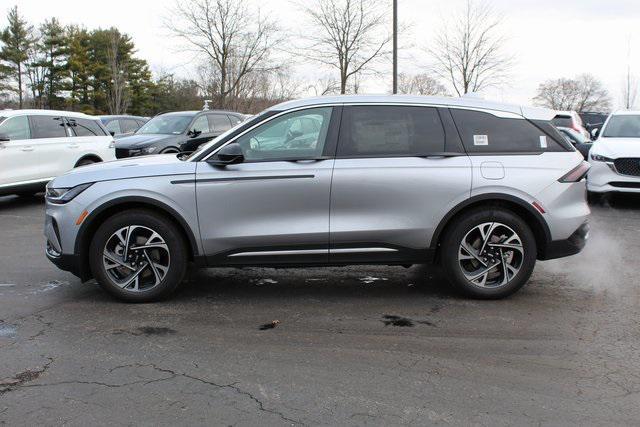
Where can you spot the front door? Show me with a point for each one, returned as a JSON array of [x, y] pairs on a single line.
[[274, 207]]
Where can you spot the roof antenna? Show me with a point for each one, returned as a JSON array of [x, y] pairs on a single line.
[[205, 107]]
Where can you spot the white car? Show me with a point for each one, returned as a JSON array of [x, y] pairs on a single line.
[[38, 145], [615, 155]]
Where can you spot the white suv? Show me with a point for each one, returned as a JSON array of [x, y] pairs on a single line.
[[615, 156], [38, 145]]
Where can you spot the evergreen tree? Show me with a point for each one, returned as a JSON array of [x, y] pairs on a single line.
[[54, 43], [17, 38], [79, 66]]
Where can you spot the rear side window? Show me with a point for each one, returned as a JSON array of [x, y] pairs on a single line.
[[485, 133], [234, 120], [219, 122], [114, 126], [385, 131], [47, 127], [85, 127], [129, 125]]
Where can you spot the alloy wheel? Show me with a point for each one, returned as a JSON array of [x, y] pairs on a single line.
[[136, 258], [490, 255]]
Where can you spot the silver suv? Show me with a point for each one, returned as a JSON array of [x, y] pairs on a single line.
[[483, 189]]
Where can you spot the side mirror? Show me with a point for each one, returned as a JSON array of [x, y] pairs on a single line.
[[4, 137], [193, 133], [594, 133], [230, 154]]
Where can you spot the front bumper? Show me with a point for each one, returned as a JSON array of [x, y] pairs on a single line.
[[123, 153], [571, 246], [604, 178]]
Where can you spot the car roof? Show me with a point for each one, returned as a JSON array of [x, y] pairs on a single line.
[[120, 116], [626, 113], [497, 108], [194, 112], [10, 113]]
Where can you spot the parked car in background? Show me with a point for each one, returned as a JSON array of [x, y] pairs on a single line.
[[593, 120], [578, 140], [483, 188], [177, 132], [121, 126], [615, 156], [38, 145], [570, 119]]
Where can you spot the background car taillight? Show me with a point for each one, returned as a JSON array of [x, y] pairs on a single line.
[[577, 173], [112, 144]]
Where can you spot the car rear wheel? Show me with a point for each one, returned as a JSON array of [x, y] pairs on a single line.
[[85, 162], [138, 256], [488, 253]]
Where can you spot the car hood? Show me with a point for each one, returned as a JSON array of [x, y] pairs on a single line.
[[143, 140], [617, 147], [136, 167]]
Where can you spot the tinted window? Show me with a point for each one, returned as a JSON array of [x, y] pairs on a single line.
[[16, 128], [562, 121], [286, 137], [623, 126], [219, 122], [47, 127], [201, 125], [114, 126], [486, 133], [234, 120], [166, 124], [85, 127], [128, 125], [390, 131]]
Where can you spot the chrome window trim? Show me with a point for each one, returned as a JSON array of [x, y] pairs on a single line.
[[497, 113]]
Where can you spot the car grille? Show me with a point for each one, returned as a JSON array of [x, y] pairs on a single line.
[[121, 153], [628, 166]]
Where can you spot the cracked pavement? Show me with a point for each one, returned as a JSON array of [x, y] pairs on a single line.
[[349, 346]]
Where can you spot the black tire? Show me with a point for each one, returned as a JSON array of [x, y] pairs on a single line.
[[85, 162], [170, 150], [171, 235], [464, 224]]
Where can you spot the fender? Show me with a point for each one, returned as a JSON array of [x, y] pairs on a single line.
[[541, 222], [141, 200]]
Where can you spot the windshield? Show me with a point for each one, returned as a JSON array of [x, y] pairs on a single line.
[[166, 125], [575, 136], [623, 126]]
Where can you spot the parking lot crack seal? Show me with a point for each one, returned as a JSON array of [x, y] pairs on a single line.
[[231, 386], [22, 378]]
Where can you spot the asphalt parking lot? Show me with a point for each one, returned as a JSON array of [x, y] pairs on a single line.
[[359, 345]]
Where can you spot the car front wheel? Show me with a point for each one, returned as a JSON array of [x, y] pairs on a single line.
[[488, 253], [138, 256]]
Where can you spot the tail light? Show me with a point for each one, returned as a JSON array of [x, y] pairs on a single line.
[[577, 173]]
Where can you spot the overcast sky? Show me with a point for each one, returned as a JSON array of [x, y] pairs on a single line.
[[549, 38]]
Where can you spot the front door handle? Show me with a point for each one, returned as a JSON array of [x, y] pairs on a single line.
[[73, 145], [27, 148]]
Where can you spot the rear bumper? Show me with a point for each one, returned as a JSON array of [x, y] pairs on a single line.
[[567, 247]]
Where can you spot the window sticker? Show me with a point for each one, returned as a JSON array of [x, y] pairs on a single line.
[[480, 140], [543, 141]]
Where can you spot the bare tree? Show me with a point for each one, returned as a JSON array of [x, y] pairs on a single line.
[[118, 95], [468, 51], [630, 84], [420, 84], [584, 93], [346, 35], [323, 86], [236, 41]]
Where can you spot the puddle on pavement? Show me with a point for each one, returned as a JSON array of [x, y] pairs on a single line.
[[263, 282], [370, 279], [403, 322], [7, 331], [146, 331], [269, 325]]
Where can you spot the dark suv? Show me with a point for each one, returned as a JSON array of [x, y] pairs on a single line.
[[177, 132]]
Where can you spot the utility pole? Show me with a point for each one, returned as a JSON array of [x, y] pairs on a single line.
[[395, 46]]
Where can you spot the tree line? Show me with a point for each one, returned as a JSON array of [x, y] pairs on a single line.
[[244, 56]]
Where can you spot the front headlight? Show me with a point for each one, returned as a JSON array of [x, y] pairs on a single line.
[[148, 150], [60, 196], [599, 158]]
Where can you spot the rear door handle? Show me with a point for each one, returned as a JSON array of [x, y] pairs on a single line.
[[27, 148], [73, 145]]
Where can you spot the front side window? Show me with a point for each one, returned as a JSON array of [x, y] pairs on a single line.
[[166, 125], [623, 126], [16, 128], [47, 127], [85, 127], [114, 126], [372, 131], [287, 137], [201, 125]]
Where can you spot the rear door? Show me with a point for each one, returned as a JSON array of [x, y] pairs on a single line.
[[18, 159], [395, 177], [219, 123], [52, 144], [88, 139], [274, 207]]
